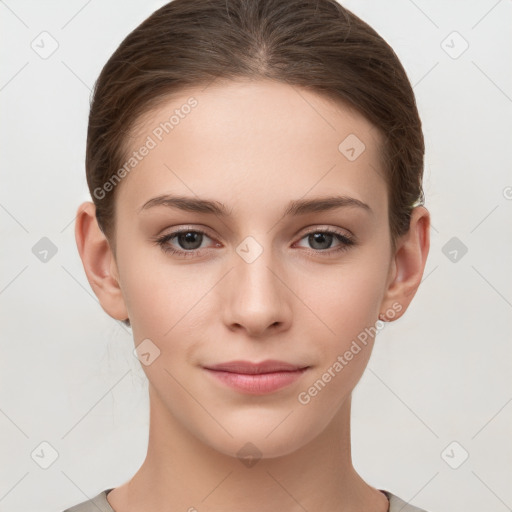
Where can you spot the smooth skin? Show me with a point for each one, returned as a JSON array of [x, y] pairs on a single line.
[[253, 146]]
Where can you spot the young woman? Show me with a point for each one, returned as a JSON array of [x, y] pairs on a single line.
[[256, 174]]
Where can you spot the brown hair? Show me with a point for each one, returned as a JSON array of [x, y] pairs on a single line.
[[315, 44]]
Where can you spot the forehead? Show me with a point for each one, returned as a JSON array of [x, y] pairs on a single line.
[[254, 139]]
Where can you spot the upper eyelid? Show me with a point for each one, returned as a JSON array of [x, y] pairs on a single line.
[[319, 228], [178, 231]]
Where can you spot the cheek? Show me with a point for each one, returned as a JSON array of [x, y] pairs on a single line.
[[333, 302], [163, 298], [344, 299], [346, 306]]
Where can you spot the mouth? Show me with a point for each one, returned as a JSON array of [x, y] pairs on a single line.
[[256, 378], [249, 368]]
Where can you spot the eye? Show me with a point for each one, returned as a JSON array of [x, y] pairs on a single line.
[[187, 243], [322, 240], [184, 242]]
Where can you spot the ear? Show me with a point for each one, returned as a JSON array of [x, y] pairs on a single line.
[[99, 262], [408, 264]]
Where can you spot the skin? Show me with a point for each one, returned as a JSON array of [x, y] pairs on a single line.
[[253, 146]]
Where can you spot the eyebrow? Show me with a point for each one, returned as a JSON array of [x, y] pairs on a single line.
[[295, 208]]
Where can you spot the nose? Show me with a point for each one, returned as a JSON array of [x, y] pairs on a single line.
[[256, 299]]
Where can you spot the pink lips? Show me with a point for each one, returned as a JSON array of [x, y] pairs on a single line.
[[256, 378]]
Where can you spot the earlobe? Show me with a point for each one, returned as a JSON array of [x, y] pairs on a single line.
[[99, 262], [407, 266]]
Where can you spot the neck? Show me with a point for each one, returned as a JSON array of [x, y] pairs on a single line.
[[180, 472]]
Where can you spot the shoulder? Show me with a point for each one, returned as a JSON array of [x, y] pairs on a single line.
[[398, 505], [97, 504], [100, 503]]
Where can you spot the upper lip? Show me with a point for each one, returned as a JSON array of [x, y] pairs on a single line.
[[247, 367]]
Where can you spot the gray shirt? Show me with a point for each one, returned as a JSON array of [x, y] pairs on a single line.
[[100, 504]]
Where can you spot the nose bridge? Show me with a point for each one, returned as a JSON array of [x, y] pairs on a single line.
[[256, 298]]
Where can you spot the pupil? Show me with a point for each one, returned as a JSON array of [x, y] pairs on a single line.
[[323, 239]]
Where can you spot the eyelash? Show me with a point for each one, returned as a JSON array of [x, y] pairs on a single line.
[[346, 243]]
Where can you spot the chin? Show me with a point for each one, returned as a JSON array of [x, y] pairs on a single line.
[[252, 439]]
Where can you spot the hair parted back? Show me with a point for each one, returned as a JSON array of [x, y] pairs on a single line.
[[315, 44]]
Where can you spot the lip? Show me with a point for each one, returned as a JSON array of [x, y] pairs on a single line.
[[256, 378], [249, 368]]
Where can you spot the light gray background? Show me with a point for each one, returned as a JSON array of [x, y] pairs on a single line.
[[440, 374]]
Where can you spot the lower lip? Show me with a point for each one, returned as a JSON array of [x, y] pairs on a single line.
[[257, 384]]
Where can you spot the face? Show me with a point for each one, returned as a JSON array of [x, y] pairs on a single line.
[[232, 244]]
